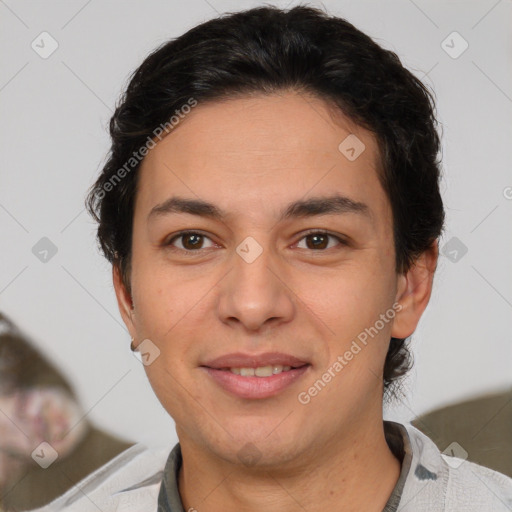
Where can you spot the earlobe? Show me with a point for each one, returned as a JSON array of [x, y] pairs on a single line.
[[124, 300], [413, 292]]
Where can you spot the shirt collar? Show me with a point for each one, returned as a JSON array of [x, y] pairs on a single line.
[[169, 499]]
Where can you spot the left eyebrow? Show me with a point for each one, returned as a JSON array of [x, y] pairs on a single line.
[[336, 204]]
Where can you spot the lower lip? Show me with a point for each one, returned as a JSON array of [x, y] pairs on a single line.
[[255, 387]]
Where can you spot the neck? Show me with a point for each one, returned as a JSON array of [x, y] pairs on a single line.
[[355, 471]]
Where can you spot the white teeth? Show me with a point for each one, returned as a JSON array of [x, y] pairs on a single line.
[[261, 371]]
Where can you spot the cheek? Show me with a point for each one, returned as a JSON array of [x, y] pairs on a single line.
[[358, 292], [169, 312], [157, 301], [351, 306]]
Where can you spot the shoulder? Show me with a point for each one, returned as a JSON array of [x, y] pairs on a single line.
[[476, 487], [132, 479], [437, 481]]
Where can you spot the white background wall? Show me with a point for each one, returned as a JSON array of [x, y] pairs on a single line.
[[53, 121]]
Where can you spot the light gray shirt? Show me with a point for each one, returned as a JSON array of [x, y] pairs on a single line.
[[140, 479]]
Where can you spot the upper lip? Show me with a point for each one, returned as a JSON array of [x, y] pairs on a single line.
[[241, 360]]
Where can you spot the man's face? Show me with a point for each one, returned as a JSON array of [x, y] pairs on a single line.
[[200, 297]]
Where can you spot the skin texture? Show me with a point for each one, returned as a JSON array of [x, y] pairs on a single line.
[[252, 157]]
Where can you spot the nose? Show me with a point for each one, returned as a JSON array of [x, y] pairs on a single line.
[[254, 295]]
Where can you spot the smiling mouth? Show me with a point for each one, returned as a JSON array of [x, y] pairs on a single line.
[[261, 371], [256, 382]]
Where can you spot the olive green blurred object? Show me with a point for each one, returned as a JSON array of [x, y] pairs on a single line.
[[482, 426], [38, 486]]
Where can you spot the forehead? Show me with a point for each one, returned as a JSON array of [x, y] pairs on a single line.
[[255, 152]]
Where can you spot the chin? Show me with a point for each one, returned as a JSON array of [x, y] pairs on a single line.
[[258, 445]]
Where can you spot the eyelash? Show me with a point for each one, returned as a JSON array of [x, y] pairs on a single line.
[[181, 234]]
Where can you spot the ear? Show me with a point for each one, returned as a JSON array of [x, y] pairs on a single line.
[[413, 292], [124, 300]]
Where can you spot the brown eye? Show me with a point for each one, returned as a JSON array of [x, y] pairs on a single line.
[[190, 241], [317, 241], [320, 240]]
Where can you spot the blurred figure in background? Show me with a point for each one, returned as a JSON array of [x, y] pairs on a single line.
[[37, 405]]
